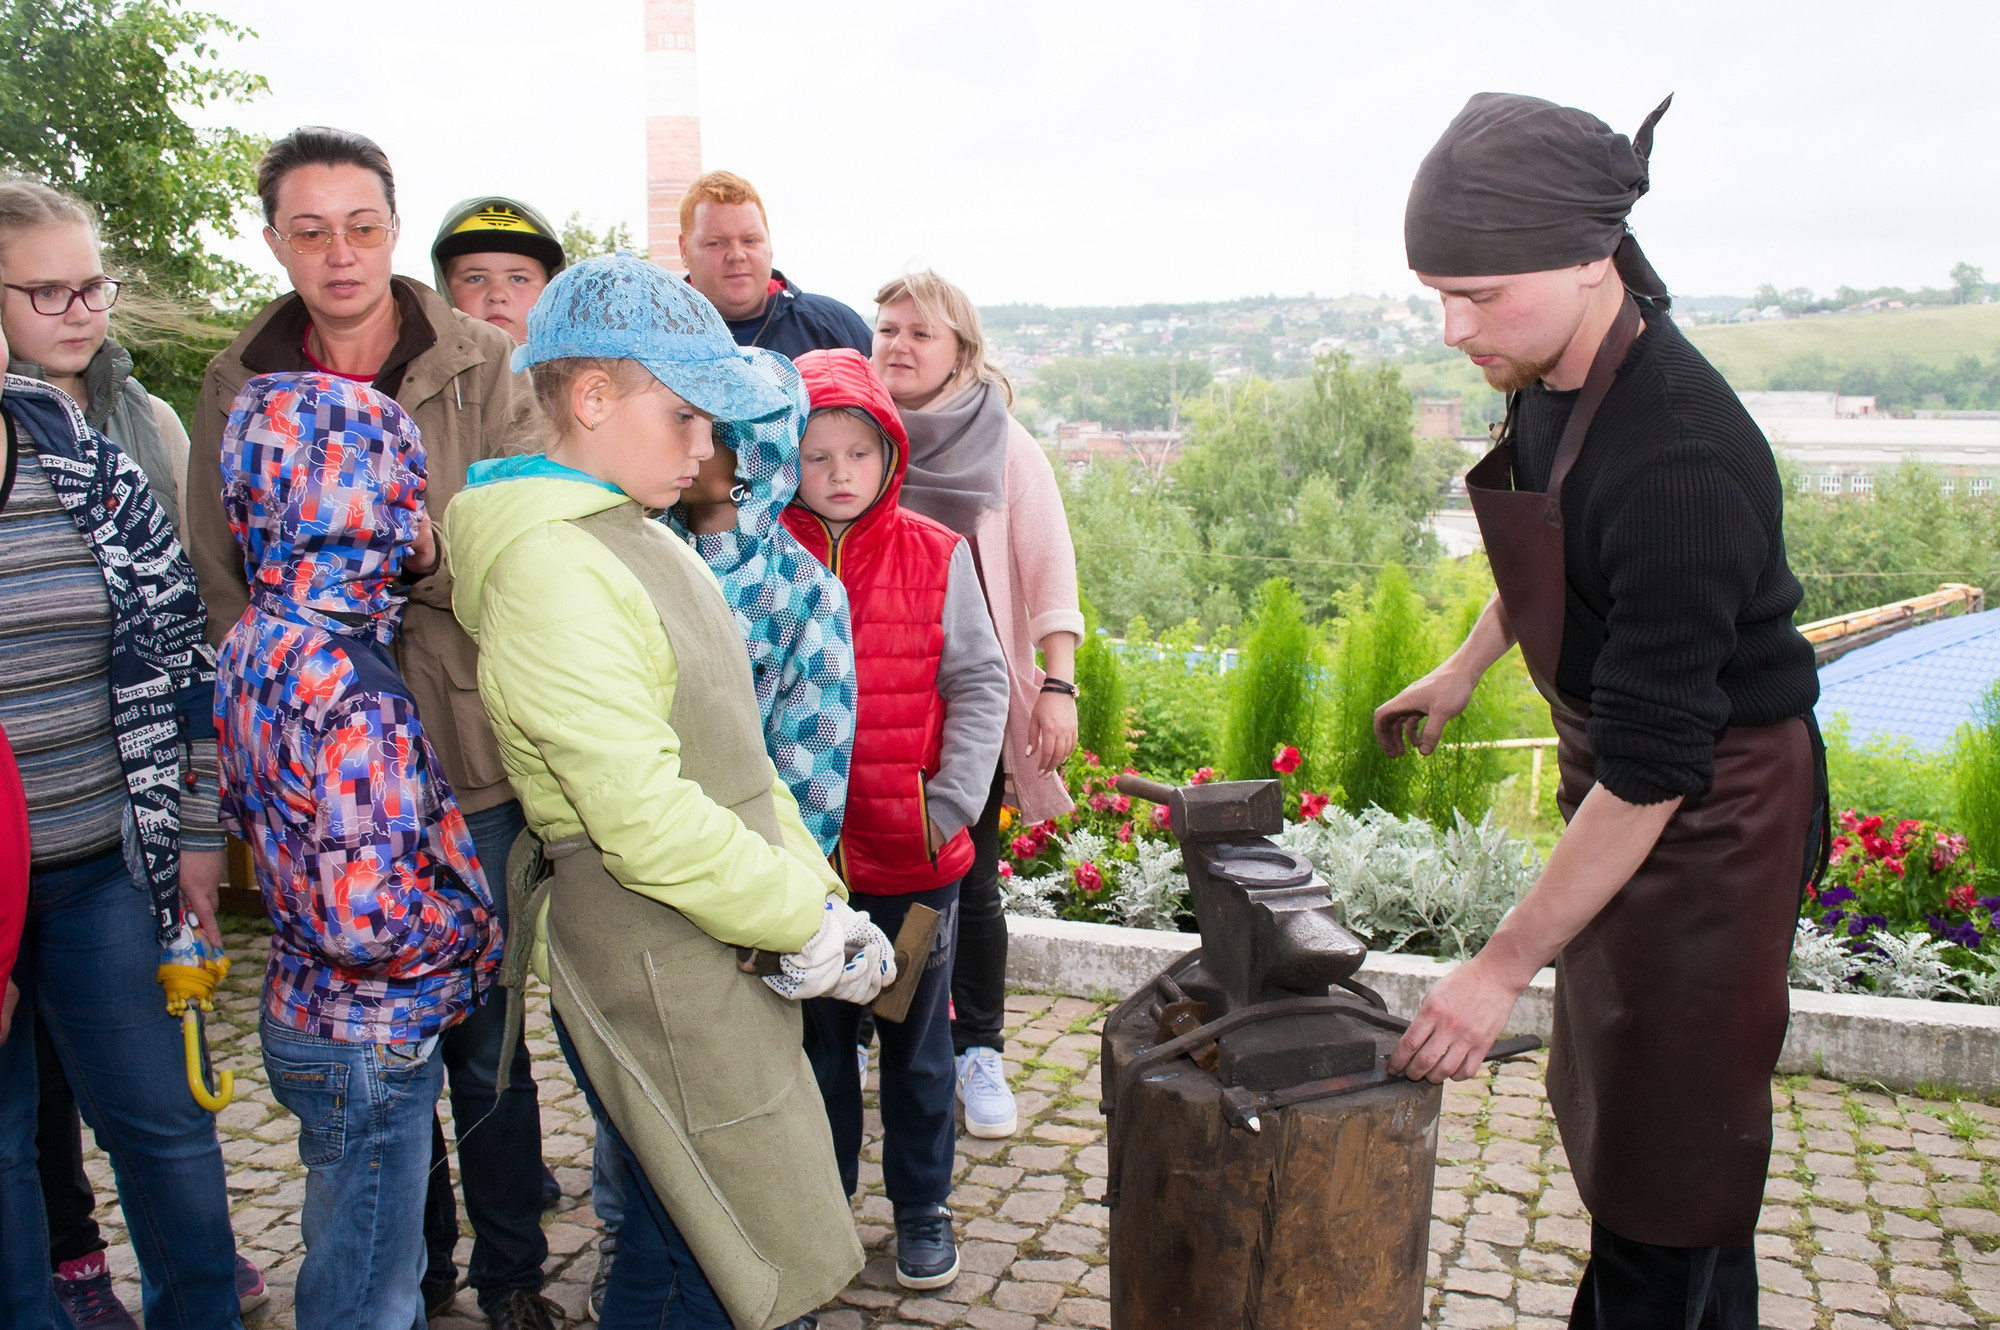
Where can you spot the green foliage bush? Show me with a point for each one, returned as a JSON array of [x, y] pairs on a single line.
[[1851, 553], [1975, 784], [1175, 689], [1102, 718], [1891, 774], [1274, 687]]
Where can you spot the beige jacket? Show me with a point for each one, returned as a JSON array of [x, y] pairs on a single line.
[[450, 372]]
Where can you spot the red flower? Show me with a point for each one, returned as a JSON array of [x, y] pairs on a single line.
[[1948, 851], [1840, 844], [1848, 820], [1006, 870], [1161, 817], [1894, 865], [1311, 805], [1100, 803], [1091, 758], [1124, 833], [1287, 761], [1088, 878], [1962, 897], [1122, 804], [1202, 776], [1869, 826], [1025, 847], [1044, 828]]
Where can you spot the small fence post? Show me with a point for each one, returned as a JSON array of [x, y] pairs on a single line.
[[1535, 783]]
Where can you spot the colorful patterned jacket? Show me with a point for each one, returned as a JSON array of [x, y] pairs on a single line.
[[385, 928], [791, 611]]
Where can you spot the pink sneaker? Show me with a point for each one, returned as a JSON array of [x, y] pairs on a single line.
[[83, 1287]]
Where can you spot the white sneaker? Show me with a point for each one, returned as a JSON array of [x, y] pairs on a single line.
[[982, 1088]]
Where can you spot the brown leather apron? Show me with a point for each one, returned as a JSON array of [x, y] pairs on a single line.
[[1670, 1005]]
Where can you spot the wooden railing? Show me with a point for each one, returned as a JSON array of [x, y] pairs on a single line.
[[1835, 637]]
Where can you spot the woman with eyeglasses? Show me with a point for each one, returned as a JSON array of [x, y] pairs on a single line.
[[55, 312]]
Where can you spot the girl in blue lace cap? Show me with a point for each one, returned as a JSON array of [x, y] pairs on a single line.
[[665, 860], [792, 611]]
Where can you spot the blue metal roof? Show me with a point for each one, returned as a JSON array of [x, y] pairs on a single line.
[[1921, 684]]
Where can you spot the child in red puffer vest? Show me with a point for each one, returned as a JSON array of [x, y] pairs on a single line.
[[932, 706]]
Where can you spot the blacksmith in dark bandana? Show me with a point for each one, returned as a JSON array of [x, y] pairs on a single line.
[[1633, 517]]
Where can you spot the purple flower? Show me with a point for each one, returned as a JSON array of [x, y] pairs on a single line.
[[1962, 935], [1989, 903], [1836, 895], [1832, 921]]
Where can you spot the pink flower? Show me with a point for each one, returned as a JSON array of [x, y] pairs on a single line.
[[1287, 761], [1088, 878], [1311, 805], [1006, 869], [1962, 897], [1202, 776], [1024, 847], [1894, 865], [1122, 804], [1161, 817], [1908, 825], [1849, 820], [1949, 849], [1124, 833], [1100, 803], [1091, 758]]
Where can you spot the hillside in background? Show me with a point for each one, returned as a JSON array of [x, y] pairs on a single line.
[[1843, 351]]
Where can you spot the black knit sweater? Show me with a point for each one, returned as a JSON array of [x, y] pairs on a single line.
[[1679, 600]]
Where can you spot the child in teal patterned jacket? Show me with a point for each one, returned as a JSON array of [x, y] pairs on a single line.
[[791, 610]]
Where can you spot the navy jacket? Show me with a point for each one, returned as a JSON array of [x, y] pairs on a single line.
[[794, 323]]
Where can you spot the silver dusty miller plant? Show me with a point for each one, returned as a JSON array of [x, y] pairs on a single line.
[[1402, 884], [1153, 891], [1822, 961], [1911, 966]]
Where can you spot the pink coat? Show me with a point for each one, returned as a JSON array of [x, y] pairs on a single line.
[[1028, 567]]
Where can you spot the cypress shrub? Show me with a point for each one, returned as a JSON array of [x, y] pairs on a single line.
[[1101, 706], [1385, 644], [1975, 781], [1271, 691]]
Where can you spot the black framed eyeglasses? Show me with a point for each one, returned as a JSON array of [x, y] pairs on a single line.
[[54, 300], [319, 239]]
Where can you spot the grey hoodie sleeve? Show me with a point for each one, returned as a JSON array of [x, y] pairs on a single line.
[[972, 678]]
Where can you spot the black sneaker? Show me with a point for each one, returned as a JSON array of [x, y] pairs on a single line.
[[926, 1254], [83, 1291], [607, 1251], [525, 1311]]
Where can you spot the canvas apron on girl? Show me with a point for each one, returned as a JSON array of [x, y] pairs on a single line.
[[1671, 1004]]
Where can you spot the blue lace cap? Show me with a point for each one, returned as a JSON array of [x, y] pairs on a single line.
[[620, 307]]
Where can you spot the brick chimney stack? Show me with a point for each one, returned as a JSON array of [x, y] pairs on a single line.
[[673, 124]]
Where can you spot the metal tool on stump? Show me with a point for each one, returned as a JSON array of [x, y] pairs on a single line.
[[1266, 1170]]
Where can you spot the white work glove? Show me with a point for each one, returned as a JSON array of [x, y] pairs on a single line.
[[812, 970], [871, 961]]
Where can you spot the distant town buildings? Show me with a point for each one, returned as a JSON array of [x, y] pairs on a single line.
[[1841, 445], [1440, 417], [673, 124], [1081, 442]]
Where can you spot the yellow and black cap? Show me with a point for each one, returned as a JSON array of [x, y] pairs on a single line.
[[494, 224]]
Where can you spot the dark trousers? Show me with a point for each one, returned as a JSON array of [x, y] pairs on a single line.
[[1637, 1286], [656, 1283], [979, 969], [499, 1136], [67, 1195], [919, 1127]]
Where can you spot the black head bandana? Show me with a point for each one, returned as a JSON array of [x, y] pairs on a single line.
[[1518, 184]]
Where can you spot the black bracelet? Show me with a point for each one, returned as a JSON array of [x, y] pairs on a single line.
[[1063, 686]]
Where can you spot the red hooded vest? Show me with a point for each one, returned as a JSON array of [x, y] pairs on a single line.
[[894, 564]]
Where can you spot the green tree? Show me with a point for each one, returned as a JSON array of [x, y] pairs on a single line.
[[1132, 542], [1851, 553], [1142, 392], [581, 241], [1968, 284], [91, 101]]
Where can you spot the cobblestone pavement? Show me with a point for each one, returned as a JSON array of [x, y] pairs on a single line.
[[1880, 1210]]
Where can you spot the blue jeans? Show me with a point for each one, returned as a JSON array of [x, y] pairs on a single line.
[[656, 1283], [86, 971], [607, 1183], [919, 1126], [499, 1136], [364, 1114]]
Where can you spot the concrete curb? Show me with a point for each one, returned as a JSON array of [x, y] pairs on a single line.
[[1896, 1041]]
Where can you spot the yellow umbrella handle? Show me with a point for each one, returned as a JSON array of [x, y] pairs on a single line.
[[225, 1081]]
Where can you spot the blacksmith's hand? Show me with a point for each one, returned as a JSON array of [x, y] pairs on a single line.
[[1456, 1024], [1416, 716]]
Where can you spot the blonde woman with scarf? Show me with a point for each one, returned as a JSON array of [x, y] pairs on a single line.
[[976, 469]]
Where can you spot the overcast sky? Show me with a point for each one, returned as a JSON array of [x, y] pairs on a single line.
[[1087, 151]]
